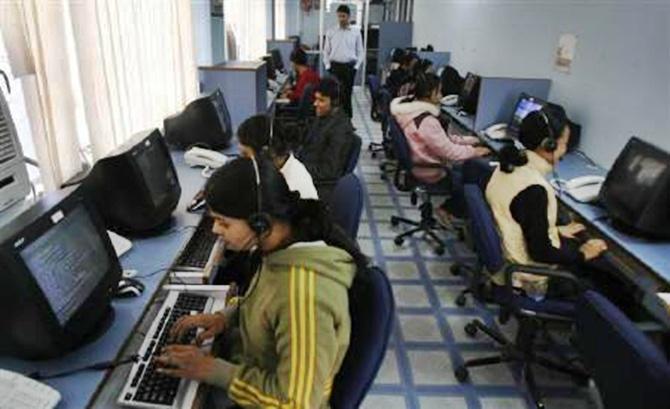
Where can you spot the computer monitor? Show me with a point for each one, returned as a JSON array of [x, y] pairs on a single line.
[[270, 67], [59, 272], [470, 93], [524, 106], [135, 188], [205, 121], [276, 57], [636, 192]]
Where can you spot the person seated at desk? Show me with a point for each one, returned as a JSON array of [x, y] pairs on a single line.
[[305, 76], [287, 336], [254, 136], [426, 130], [525, 207], [420, 69], [326, 150], [402, 73]]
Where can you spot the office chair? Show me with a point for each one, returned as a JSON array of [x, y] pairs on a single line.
[[531, 315], [346, 204], [354, 155], [372, 310], [475, 171], [629, 370], [405, 181], [325, 187], [374, 86], [298, 115]]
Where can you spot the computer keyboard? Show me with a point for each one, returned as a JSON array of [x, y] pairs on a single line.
[[146, 387], [20, 392], [197, 252]]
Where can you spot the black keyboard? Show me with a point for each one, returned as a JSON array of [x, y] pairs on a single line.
[[196, 252], [152, 387]]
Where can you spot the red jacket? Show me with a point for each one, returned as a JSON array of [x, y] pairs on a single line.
[[309, 76]]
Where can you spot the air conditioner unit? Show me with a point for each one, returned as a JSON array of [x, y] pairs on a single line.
[[14, 182]]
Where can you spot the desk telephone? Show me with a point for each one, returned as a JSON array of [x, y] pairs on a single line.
[[20, 392], [497, 131], [204, 157], [584, 189], [449, 100]]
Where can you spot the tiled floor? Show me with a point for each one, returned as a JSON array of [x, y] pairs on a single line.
[[428, 338]]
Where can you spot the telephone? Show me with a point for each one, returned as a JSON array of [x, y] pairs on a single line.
[[449, 100], [204, 157], [497, 131], [20, 392], [584, 188]]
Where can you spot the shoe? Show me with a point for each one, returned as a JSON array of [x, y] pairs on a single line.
[[446, 219]]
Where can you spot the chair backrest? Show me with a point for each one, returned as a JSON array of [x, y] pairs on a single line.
[[400, 145], [372, 309], [384, 104], [346, 204], [451, 81], [483, 229], [354, 154], [628, 369], [305, 107]]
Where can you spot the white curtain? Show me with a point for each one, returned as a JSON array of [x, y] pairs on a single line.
[[103, 70], [247, 20]]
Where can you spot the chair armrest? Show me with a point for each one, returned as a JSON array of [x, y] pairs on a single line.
[[537, 270]]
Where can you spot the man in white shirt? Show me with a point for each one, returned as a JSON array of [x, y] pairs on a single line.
[[343, 54]]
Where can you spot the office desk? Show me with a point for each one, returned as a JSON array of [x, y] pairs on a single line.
[[466, 123], [149, 256]]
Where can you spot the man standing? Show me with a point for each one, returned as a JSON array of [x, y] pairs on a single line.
[[343, 54]]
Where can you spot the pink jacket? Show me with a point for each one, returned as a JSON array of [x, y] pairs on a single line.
[[429, 143]]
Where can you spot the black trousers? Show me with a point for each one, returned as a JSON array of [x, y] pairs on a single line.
[[345, 73]]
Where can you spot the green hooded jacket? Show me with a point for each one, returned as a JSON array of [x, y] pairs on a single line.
[[294, 326]]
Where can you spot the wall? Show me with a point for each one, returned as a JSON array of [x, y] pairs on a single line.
[[292, 11], [620, 80], [202, 32]]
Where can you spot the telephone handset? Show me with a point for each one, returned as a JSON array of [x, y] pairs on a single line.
[[497, 131], [449, 100], [20, 392], [585, 189], [583, 181], [204, 157]]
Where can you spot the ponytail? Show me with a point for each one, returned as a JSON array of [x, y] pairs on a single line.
[[511, 157]]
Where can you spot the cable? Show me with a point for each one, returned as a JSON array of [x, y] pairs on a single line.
[[153, 273], [9, 87], [100, 366]]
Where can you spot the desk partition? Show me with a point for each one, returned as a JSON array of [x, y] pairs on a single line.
[[438, 58]]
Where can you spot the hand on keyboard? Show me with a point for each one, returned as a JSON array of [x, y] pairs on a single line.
[[186, 361], [212, 324]]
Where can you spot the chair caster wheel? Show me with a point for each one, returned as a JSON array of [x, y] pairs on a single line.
[[383, 177], [460, 301], [394, 221], [539, 405], [455, 269], [398, 241], [414, 198], [470, 330], [462, 374], [439, 251], [373, 155]]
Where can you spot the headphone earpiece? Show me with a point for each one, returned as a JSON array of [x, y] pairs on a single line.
[[549, 142], [258, 221]]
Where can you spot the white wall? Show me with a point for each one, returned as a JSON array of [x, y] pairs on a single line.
[[620, 80], [202, 31]]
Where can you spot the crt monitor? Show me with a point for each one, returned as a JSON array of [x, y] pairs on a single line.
[[204, 122], [636, 192], [135, 188], [270, 67], [470, 93], [59, 272], [524, 106], [276, 58]]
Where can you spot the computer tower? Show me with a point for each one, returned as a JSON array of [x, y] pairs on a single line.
[[14, 182], [135, 188]]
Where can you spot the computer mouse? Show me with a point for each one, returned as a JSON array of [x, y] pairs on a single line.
[[129, 287]]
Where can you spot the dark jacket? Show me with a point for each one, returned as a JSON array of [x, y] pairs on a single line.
[[326, 150]]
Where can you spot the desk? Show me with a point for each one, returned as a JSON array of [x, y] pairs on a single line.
[[148, 255]]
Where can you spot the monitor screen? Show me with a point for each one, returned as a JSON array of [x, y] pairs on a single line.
[[635, 177], [68, 261], [468, 85], [156, 170], [524, 106]]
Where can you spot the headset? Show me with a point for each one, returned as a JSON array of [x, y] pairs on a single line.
[[549, 143], [258, 221]]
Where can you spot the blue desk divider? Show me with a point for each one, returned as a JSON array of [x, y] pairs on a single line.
[[439, 58], [392, 35], [285, 47], [498, 96], [244, 85]]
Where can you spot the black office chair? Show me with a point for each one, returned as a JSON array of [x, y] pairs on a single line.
[[532, 315], [298, 116], [372, 310], [405, 181], [325, 187]]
